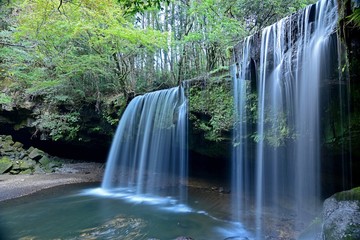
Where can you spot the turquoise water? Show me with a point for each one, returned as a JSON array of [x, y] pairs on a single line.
[[95, 214]]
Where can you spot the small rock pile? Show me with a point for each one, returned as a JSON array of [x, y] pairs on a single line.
[[14, 159]]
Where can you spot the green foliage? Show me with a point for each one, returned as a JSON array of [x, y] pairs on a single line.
[[78, 39], [277, 133], [68, 55], [58, 126], [63, 56], [43, 85], [5, 99], [212, 110], [278, 130], [354, 18], [109, 118], [258, 14], [139, 6], [352, 194], [115, 105]]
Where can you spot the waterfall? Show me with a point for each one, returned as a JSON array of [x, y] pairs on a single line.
[[277, 147], [240, 164], [148, 154]]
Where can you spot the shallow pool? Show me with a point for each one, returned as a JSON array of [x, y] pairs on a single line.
[[91, 213]]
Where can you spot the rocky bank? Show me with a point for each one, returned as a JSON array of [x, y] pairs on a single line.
[[25, 171], [14, 159]]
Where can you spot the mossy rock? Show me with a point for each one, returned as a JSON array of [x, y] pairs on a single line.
[[8, 138], [15, 171], [341, 216], [24, 165], [48, 165], [30, 149], [16, 166], [353, 194], [36, 154], [7, 141], [27, 171], [5, 164], [38, 169], [6, 148], [44, 161], [18, 145], [22, 155]]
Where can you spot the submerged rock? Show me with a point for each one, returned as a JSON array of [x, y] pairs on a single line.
[[120, 227], [341, 216]]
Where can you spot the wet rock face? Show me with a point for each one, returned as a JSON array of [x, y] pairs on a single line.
[[341, 216], [14, 159]]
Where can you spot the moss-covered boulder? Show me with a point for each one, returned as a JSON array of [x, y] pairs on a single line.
[[44, 161], [29, 164], [49, 165], [8, 139], [341, 216], [18, 145], [36, 154], [6, 145], [5, 164], [27, 171], [14, 159], [39, 169]]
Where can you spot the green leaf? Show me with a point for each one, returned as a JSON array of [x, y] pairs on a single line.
[[5, 99]]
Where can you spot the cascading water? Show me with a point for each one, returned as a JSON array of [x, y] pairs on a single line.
[[240, 164], [149, 150], [277, 153]]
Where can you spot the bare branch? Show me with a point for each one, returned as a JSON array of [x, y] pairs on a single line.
[[61, 2]]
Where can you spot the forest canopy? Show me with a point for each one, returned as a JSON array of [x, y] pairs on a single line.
[[68, 54]]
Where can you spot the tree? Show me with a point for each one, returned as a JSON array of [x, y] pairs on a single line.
[[139, 6], [74, 54], [70, 54], [87, 40]]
